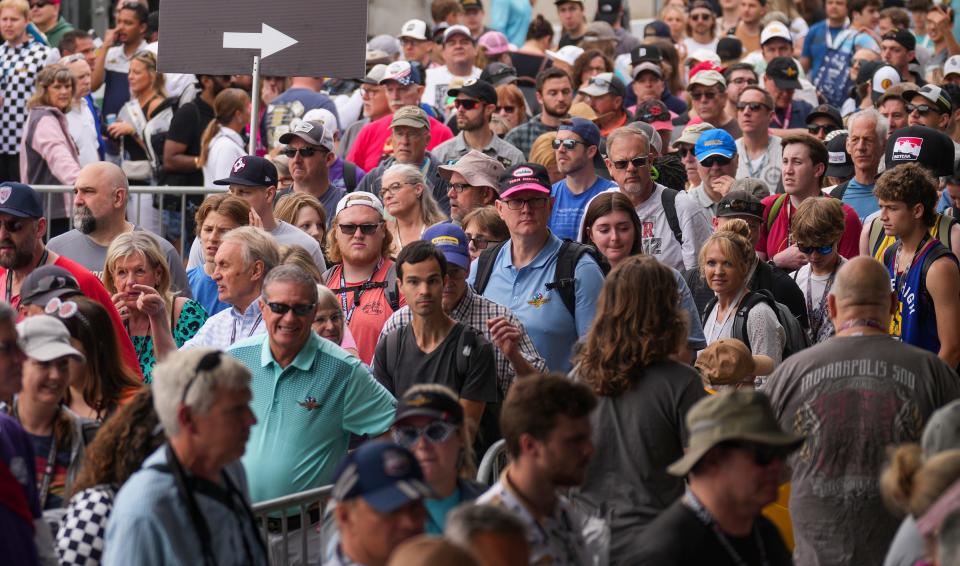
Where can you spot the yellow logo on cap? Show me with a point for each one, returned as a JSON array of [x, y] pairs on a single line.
[[710, 143], [418, 401], [790, 72], [445, 240], [885, 83]]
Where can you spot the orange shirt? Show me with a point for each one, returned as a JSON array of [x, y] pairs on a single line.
[[366, 319]]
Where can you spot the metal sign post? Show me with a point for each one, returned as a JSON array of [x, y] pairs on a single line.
[[255, 111]]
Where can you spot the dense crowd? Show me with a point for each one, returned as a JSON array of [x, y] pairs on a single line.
[[694, 294]]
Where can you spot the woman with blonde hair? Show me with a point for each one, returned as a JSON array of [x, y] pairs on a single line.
[[725, 261], [138, 278], [48, 154], [222, 141], [412, 206], [627, 359], [217, 215], [292, 254], [330, 323], [146, 96], [306, 213], [511, 106]]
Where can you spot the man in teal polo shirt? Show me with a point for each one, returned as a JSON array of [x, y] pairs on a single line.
[[308, 396]]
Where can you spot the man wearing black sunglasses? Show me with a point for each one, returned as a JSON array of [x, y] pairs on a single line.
[[575, 148], [475, 102], [928, 106], [707, 91], [309, 149], [736, 454]]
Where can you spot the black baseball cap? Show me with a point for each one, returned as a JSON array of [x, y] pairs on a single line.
[[47, 282], [18, 199], [738, 202], [608, 10], [251, 171], [646, 54], [498, 74], [826, 111], [476, 88], [923, 145], [730, 48], [902, 36], [839, 163], [784, 73]]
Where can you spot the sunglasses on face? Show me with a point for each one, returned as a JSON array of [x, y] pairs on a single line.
[[13, 226], [818, 128], [822, 250], [701, 17], [703, 94], [507, 109], [365, 229], [922, 109], [435, 432], [481, 243], [300, 309], [715, 160], [752, 106], [763, 455], [39, 4], [683, 152], [637, 162], [305, 152], [462, 104], [566, 144], [534, 203]]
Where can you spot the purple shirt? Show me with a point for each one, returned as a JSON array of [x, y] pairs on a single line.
[[16, 451]]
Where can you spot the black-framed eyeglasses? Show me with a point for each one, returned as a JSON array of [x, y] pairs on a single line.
[[435, 432], [637, 162], [210, 361], [704, 94], [507, 109], [716, 160], [13, 226], [299, 309], [821, 128], [464, 104], [365, 229], [752, 106], [460, 187], [537, 203], [822, 250], [481, 243], [305, 152], [567, 144]]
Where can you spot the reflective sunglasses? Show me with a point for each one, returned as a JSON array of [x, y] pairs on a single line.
[[818, 128], [637, 162], [715, 160], [462, 104], [299, 309], [435, 432], [752, 106], [704, 94], [481, 243], [366, 229], [822, 250], [507, 109], [290, 152], [566, 144], [534, 203]]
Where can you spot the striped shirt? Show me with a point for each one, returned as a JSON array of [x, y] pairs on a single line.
[[228, 326]]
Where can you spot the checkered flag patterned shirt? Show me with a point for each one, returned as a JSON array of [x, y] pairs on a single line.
[[19, 66]]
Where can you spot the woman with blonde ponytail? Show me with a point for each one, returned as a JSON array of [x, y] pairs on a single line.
[[222, 142], [725, 261]]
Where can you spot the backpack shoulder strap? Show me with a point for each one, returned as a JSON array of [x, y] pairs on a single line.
[[888, 256], [349, 176], [563, 279], [485, 267], [945, 224], [775, 210], [668, 199], [392, 348], [392, 291], [750, 300], [465, 345], [706, 310], [839, 191], [876, 237]]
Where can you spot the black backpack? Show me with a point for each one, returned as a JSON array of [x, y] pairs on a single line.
[[796, 338], [465, 345], [668, 200], [389, 284], [564, 281]]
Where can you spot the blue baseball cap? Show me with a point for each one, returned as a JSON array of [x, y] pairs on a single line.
[[451, 241], [17, 199], [586, 129], [384, 474], [715, 142]]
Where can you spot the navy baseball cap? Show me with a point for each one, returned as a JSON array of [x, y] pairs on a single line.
[[656, 28], [451, 241], [715, 142], [251, 171], [429, 404], [384, 474], [17, 199], [586, 129]]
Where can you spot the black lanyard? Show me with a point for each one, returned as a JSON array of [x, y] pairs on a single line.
[[233, 333], [357, 290], [50, 464], [819, 317], [704, 516], [9, 289]]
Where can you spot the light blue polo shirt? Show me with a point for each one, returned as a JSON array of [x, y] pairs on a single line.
[[550, 325], [305, 414]]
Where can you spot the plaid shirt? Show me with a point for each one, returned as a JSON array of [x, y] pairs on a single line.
[[523, 136], [19, 66], [474, 311]]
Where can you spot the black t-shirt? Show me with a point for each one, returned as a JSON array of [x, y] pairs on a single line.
[[473, 378], [187, 127], [678, 538]]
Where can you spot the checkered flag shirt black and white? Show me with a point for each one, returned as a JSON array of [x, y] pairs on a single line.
[[84, 526], [19, 66]]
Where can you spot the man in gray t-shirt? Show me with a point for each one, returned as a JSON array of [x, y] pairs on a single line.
[[852, 396]]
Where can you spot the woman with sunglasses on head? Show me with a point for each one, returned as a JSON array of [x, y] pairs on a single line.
[[217, 215], [484, 228], [627, 359], [408, 200], [100, 383], [816, 228], [725, 261], [118, 450], [138, 278], [222, 141]]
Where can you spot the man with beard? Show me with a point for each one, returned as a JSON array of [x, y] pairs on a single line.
[[99, 214], [22, 226], [575, 148], [555, 95], [546, 425], [476, 101]]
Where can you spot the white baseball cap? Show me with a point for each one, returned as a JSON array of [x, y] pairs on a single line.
[[883, 78], [775, 30], [952, 66], [359, 198], [568, 54], [45, 338], [414, 29]]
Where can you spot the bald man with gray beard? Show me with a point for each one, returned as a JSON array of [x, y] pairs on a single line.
[[852, 396]]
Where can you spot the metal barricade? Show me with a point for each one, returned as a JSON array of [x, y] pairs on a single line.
[[137, 193], [493, 462], [279, 506]]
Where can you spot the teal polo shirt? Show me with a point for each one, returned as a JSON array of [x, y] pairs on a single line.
[[305, 414]]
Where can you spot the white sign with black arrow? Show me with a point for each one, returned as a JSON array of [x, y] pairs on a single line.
[[268, 41]]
